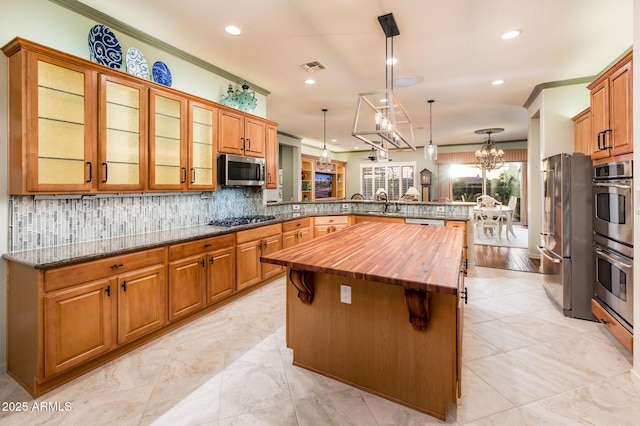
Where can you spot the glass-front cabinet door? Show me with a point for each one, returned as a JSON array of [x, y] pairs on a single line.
[[167, 141], [203, 135], [61, 137], [122, 134]]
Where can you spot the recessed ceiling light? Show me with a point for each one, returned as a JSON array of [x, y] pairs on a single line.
[[309, 81], [383, 100], [232, 29], [334, 140], [392, 61], [497, 82], [511, 34], [356, 147]]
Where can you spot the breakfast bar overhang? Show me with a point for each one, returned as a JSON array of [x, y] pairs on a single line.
[[379, 306]]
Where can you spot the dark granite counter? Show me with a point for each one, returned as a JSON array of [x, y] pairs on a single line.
[[51, 257]]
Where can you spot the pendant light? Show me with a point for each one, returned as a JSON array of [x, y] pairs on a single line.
[[325, 157], [387, 120], [431, 150]]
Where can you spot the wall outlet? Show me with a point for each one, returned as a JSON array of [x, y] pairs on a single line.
[[439, 208], [345, 294], [296, 207], [345, 207]]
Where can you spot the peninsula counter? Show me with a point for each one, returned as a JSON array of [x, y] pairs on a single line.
[[380, 306]]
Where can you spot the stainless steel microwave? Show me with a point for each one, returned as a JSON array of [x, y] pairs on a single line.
[[237, 170]]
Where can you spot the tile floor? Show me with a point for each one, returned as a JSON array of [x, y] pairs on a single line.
[[524, 364]]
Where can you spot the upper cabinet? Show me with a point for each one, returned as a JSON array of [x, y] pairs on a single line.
[[167, 141], [51, 125], [203, 139], [79, 127], [271, 180], [582, 132], [122, 136], [241, 134], [611, 111]]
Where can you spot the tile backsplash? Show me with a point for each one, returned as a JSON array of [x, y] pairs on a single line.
[[51, 221]]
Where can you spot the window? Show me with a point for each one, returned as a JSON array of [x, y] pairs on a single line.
[[468, 180], [393, 178]]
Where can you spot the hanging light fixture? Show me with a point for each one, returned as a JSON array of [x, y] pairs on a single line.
[[385, 119], [325, 156], [489, 157], [431, 150]]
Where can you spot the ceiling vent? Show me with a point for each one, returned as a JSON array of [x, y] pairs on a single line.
[[312, 66]]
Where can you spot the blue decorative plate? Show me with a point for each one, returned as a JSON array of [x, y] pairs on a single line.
[[104, 47], [161, 73], [136, 64]]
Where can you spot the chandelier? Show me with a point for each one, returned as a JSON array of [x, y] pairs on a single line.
[[379, 113], [489, 157]]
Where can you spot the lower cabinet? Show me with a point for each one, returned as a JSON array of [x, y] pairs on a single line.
[[296, 231], [200, 272], [461, 224], [85, 319], [324, 225], [250, 245]]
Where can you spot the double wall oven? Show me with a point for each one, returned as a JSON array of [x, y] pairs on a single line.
[[613, 239]]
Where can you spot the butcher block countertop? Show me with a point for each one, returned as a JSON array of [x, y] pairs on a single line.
[[424, 258]]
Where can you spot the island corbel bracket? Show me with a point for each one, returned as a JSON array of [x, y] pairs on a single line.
[[418, 304], [304, 282]]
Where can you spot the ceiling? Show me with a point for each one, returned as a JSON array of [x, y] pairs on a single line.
[[455, 46]]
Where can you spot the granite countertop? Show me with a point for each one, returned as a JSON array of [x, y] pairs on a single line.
[[52, 257]]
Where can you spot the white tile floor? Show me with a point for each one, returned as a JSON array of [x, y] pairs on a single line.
[[524, 364]]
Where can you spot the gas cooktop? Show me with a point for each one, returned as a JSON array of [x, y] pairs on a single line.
[[241, 220]]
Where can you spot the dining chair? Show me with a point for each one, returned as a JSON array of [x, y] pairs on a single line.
[[491, 220], [507, 217]]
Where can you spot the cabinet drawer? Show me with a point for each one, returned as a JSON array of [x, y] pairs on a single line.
[[88, 271], [331, 220], [296, 224], [178, 251], [258, 233]]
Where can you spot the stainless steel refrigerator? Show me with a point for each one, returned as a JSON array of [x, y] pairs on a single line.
[[566, 260]]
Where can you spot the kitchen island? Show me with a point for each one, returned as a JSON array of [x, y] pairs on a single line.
[[379, 306]]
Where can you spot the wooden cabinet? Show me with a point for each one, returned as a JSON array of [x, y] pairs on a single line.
[[612, 112], [167, 140], [49, 96], [200, 272], [251, 244], [271, 181], [121, 133], [241, 134], [358, 219], [613, 325], [463, 225], [92, 307], [141, 302], [324, 225], [340, 185], [307, 178], [582, 132], [333, 174], [296, 231], [78, 325], [203, 141]]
